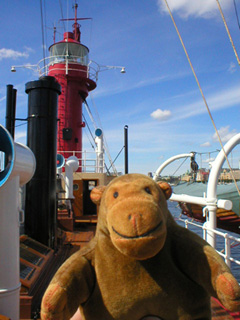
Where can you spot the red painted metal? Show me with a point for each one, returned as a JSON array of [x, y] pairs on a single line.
[[72, 74]]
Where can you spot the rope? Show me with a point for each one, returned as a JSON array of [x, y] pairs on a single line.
[[204, 99], [229, 35]]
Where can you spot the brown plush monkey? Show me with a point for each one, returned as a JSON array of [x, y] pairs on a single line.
[[140, 263]]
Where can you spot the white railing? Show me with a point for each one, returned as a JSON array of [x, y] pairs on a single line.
[[68, 65], [227, 239], [210, 200], [88, 161]]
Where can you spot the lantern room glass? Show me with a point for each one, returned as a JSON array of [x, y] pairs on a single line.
[[73, 52]]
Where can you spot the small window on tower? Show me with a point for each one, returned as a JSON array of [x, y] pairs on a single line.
[[67, 133]]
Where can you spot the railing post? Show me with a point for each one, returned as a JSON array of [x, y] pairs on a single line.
[[205, 231], [227, 250], [211, 223]]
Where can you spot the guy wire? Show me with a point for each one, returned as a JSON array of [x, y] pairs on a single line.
[[204, 99]]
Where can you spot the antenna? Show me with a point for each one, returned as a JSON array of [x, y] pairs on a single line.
[[76, 25]]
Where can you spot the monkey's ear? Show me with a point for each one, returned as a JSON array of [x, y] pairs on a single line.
[[96, 194], [166, 188]]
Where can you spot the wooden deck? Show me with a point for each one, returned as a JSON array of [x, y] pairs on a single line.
[[74, 240], [220, 313]]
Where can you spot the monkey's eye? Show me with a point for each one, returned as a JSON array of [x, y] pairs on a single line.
[[147, 189], [115, 195]]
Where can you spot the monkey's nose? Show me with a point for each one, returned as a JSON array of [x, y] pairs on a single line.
[[135, 219]]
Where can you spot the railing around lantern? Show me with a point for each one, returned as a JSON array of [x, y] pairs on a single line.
[[69, 63]]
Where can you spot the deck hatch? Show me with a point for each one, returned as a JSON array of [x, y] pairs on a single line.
[[36, 246], [30, 256], [26, 272]]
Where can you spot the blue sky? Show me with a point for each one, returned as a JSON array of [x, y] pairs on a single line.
[[158, 97]]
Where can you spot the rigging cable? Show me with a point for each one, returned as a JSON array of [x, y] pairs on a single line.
[[116, 157], [45, 28], [95, 127], [228, 32], [236, 12], [181, 164], [43, 42], [104, 138], [60, 4], [85, 120], [93, 140], [201, 91]]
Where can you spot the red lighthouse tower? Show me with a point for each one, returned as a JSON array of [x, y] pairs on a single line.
[[69, 64]]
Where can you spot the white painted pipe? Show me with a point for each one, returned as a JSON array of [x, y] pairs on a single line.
[[99, 150], [168, 161], [201, 201], [217, 166], [212, 186], [70, 167], [18, 171]]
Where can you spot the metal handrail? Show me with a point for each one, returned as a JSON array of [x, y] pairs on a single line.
[[86, 162], [227, 239], [210, 201], [44, 64]]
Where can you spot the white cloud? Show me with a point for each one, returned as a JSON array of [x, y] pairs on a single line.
[[28, 49], [224, 133], [217, 101], [187, 8], [161, 115], [12, 54], [110, 90], [209, 160], [206, 144], [232, 68]]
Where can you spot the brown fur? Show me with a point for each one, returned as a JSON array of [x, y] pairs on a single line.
[[140, 263]]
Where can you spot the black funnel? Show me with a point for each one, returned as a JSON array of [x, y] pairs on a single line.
[[40, 212]]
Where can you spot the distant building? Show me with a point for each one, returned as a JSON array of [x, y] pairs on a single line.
[[186, 177], [226, 175], [202, 175]]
